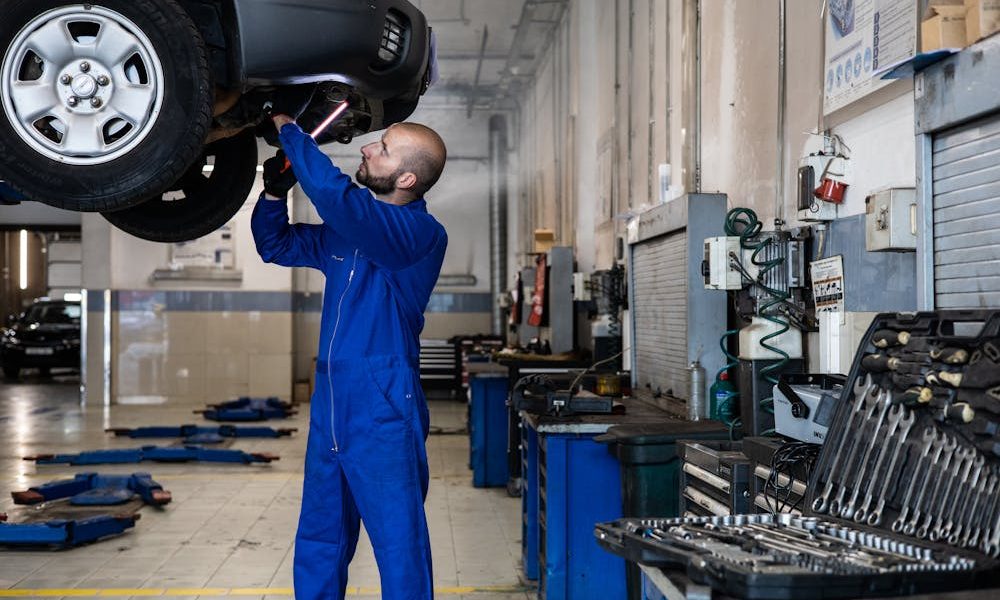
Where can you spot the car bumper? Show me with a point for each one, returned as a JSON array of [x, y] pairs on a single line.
[[302, 41], [17, 355]]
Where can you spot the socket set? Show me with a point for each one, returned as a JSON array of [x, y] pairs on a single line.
[[906, 485]]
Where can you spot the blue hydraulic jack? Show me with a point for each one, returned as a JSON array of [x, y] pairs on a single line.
[[193, 434], [248, 409], [93, 489], [62, 532], [155, 454]]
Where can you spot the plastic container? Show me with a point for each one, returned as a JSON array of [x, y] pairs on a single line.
[[722, 397]]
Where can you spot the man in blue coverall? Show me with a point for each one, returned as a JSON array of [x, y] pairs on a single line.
[[366, 458]]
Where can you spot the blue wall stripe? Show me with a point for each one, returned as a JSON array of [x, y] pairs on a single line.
[[194, 301], [239, 301], [460, 303]]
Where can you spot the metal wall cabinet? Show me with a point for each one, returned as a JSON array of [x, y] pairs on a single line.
[[958, 180], [674, 318]]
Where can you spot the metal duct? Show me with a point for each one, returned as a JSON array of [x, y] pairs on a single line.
[[498, 215]]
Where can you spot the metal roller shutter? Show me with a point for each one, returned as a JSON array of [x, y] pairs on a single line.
[[660, 299], [966, 175]]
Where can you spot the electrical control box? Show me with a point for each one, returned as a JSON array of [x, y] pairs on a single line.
[[581, 287], [717, 267], [891, 220]]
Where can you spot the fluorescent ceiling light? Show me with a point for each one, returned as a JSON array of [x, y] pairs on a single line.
[[24, 260]]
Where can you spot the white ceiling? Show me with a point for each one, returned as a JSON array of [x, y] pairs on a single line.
[[459, 26], [516, 34]]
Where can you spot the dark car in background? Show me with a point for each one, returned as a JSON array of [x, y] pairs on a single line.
[[45, 336], [149, 112]]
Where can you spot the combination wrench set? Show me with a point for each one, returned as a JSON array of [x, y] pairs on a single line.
[[904, 497]]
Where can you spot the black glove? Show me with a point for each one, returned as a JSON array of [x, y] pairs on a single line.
[[278, 176], [292, 100]]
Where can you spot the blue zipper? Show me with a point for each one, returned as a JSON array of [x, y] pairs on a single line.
[[329, 353]]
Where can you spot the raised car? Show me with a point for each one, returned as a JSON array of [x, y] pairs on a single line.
[[149, 111]]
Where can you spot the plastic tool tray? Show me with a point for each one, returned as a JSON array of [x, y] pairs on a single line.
[[904, 498]]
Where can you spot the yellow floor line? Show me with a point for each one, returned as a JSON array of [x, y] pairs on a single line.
[[235, 592]]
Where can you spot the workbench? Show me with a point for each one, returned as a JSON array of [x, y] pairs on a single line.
[[570, 483], [518, 366]]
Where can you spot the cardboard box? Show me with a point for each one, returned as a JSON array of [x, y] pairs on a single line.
[[982, 19], [545, 240], [943, 26]]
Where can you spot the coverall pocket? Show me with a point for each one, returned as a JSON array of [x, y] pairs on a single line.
[[392, 385]]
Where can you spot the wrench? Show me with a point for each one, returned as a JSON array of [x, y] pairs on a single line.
[[987, 526], [969, 480], [904, 425], [929, 441], [957, 479], [861, 390], [973, 521], [856, 443], [949, 453], [957, 520], [882, 443]]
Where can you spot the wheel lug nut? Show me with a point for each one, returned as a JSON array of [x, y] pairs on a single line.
[[73, 101], [66, 80], [85, 66], [103, 80], [95, 102]]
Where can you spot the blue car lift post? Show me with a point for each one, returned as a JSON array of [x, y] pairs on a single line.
[[64, 533], [155, 454], [93, 489], [248, 409], [202, 435], [86, 489]]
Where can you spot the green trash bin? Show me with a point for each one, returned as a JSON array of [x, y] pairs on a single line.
[[647, 453]]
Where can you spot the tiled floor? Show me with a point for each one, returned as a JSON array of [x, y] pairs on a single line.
[[229, 530]]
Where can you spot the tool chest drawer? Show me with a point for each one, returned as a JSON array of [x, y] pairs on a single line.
[[904, 497], [714, 478]]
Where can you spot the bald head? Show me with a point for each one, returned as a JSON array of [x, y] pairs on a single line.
[[423, 154]]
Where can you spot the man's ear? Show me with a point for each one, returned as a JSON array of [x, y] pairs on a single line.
[[406, 181]]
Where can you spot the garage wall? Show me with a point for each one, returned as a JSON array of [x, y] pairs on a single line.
[[633, 115]]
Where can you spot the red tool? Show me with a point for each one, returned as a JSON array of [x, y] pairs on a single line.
[[343, 106]]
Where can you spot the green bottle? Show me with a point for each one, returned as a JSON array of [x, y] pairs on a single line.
[[722, 396]]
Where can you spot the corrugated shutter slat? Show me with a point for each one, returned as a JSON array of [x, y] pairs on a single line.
[[966, 173]]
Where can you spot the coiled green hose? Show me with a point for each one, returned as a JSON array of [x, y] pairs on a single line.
[[743, 223]]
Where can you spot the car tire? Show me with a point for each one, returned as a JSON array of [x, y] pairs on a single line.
[[11, 372], [137, 121], [206, 203]]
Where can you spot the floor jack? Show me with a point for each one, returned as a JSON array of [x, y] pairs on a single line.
[[192, 434], [248, 409], [155, 454], [86, 489]]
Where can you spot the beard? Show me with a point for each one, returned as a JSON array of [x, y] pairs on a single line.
[[379, 185]]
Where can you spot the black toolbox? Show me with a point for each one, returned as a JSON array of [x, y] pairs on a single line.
[[714, 478], [904, 498]]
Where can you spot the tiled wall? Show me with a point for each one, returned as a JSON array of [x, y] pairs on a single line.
[[198, 347]]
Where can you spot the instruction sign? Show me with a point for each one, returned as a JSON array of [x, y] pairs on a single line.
[[828, 284], [863, 39]]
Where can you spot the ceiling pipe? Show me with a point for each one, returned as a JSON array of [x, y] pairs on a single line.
[[498, 215], [779, 188]]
